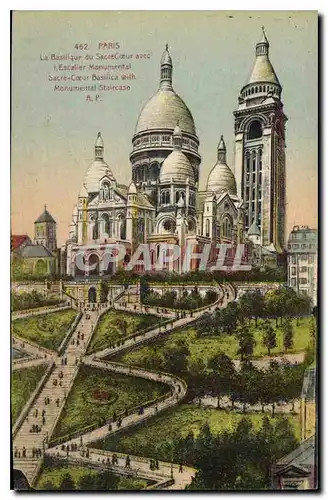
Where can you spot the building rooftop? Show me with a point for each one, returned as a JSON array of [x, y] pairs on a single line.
[[303, 456], [18, 239], [45, 217], [34, 251]]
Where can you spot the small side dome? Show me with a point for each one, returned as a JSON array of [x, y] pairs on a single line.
[[177, 166], [132, 188], [254, 230], [83, 192], [221, 178]]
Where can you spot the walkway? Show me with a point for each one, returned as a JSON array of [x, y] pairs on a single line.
[[19, 364], [32, 348], [38, 312], [57, 394], [226, 403]]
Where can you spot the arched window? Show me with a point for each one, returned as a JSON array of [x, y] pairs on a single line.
[[260, 88], [93, 262], [226, 228], [178, 194], [247, 162], [95, 232], [154, 171], [256, 90], [252, 90], [255, 130], [105, 190], [192, 199], [207, 230], [41, 267], [253, 161], [108, 229], [165, 197]]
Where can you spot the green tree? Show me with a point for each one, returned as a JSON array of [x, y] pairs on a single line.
[[287, 330], [269, 336], [224, 374], [153, 360], [228, 317], [47, 486], [122, 325], [275, 384], [87, 482], [313, 332], [246, 342], [248, 384], [206, 325], [176, 358], [106, 481], [67, 483]]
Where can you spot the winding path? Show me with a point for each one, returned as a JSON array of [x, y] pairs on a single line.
[[167, 476]]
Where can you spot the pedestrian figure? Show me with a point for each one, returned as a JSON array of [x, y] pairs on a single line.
[[127, 462], [180, 468]]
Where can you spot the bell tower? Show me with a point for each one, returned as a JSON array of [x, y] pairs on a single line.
[[260, 150]]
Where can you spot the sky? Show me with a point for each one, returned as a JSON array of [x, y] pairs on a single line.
[[53, 133]]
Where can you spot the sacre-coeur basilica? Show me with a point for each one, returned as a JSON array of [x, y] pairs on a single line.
[[164, 204]]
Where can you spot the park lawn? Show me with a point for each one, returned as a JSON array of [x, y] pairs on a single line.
[[115, 325], [161, 433], [206, 347], [47, 330], [24, 381], [51, 478], [118, 392]]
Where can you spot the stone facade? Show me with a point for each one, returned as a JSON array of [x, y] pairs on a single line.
[[163, 203], [302, 258]]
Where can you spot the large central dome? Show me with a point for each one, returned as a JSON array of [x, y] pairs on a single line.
[[163, 111], [165, 108]]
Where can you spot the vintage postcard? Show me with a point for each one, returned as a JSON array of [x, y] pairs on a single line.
[[164, 250]]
